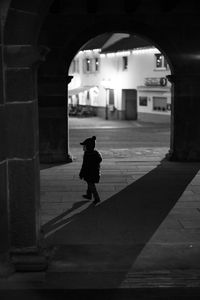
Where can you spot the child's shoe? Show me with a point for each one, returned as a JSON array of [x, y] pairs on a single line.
[[96, 201], [87, 197]]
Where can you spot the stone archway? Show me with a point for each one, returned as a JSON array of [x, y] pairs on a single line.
[[20, 26]]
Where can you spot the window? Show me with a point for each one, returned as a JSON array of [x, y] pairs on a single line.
[[87, 64], [91, 65], [160, 104], [143, 101], [161, 62], [96, 64], [74, 67], [125, 62], [77, 65]]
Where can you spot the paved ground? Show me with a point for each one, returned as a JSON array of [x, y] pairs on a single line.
[[144, 235]]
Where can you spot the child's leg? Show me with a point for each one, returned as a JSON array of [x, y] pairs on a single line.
[[88, 192], [93, 190]]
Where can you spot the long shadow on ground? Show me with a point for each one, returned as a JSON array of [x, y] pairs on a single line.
[[97, 247]]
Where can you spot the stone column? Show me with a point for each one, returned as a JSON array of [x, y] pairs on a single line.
[[53, 119], [5, 267], [70, 158], [185, 133], [21, 110]]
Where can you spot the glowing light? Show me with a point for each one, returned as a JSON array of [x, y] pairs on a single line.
[[145, 50], [123, 53], [89, 51], [129, 52], [96, 50], [110, 54]]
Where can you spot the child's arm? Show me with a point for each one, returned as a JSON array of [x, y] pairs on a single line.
[[99, 156], [81, 173]]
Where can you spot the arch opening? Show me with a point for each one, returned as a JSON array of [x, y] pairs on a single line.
[[122, 77], [101, 96]]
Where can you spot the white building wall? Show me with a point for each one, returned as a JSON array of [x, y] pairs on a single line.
[[141, 64]]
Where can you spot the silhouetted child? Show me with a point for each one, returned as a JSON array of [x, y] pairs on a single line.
[[90, 170]]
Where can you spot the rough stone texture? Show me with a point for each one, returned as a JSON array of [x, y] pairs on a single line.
[[23, 191], [21, 130], [2, 134], [24, 55], [177, 38], [53, 117], [53, 134], [186, 132], [30, 6], [1, 77], [4, 245], [20, 33], [51, 88], [15, 79]]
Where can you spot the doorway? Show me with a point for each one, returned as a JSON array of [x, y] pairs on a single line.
[[130, 100]]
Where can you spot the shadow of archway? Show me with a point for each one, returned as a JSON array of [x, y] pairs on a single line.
[[97, 247]]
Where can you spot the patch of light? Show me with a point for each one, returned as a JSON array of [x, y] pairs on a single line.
[[129, 52], [95, 91], [195, 56], [89, 51], [123, 53], [75, 83], [143, 50], [110, 54]]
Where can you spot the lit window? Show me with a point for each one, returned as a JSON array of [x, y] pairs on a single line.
[[161, 62], [125, 62], [96, 64], [88, 64]]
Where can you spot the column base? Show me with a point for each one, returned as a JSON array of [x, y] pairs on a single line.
[[183, 156], [6, 267], [29, 260], [50, 158]]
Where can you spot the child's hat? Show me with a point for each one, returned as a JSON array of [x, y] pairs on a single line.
[[89, 142]]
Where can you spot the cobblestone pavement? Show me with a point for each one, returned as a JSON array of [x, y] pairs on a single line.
[[143, 234], [170, 257], [61, 186]]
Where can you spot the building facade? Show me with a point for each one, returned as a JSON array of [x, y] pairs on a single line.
[[125, 80]]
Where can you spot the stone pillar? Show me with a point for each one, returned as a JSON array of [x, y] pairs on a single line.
[[5, 267], [185, 133], [21, 111], [53, 119]]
